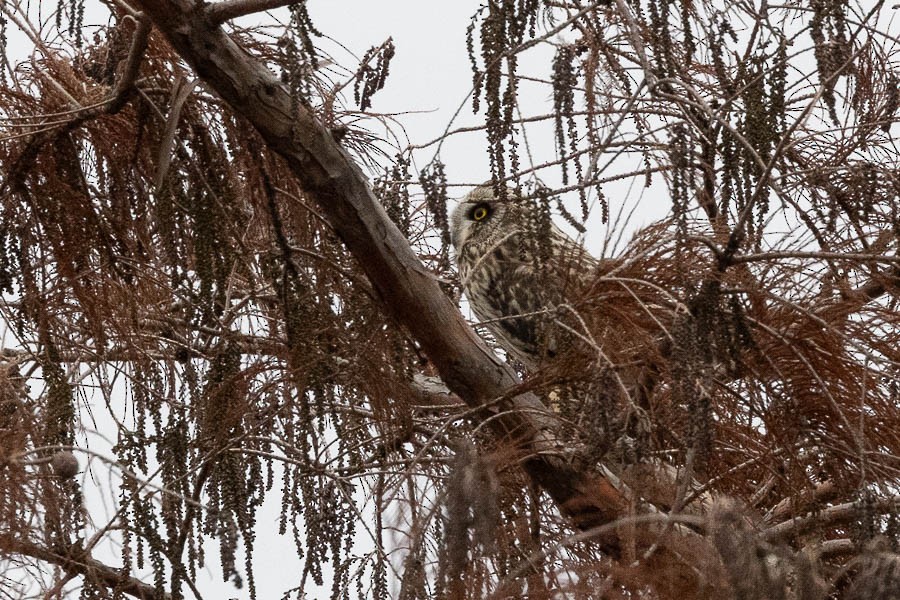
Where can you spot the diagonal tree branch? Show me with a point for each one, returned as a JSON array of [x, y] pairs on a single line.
[[407, 290]]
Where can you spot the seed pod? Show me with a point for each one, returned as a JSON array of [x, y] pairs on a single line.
[[64, 464]]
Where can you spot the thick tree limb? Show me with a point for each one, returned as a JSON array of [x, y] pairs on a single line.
[[408, 291]]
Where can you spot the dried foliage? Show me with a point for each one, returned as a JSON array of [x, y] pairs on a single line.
[[182, 321]]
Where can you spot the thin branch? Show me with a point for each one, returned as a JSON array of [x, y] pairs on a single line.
[[76, 562], [784, 254], [832, 548], [220, 12], [823, 492], [125, 85], [828, 517]]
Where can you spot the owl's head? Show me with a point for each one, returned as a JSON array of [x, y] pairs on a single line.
[[480, 218]]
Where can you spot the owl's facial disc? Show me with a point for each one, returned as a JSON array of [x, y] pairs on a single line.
[[474, 217]]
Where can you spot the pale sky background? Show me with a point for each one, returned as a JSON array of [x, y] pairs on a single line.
[[430, 78]]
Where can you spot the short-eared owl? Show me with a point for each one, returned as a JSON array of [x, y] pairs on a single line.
[[517, 270]]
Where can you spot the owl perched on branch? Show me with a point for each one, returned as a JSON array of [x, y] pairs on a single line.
[[541, 294], [519, 272]]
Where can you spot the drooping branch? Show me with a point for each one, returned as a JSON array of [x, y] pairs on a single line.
[[125, 86], [406, 289]]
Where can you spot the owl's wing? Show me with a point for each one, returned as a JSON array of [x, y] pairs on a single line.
[[517, 295], [513, 309]]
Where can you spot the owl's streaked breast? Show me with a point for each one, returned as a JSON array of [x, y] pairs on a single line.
[[505, 294]]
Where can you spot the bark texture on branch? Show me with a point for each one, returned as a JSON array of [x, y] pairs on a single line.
[[408, 291]]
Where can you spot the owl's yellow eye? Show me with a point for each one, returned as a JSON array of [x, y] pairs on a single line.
[[480, 213]]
